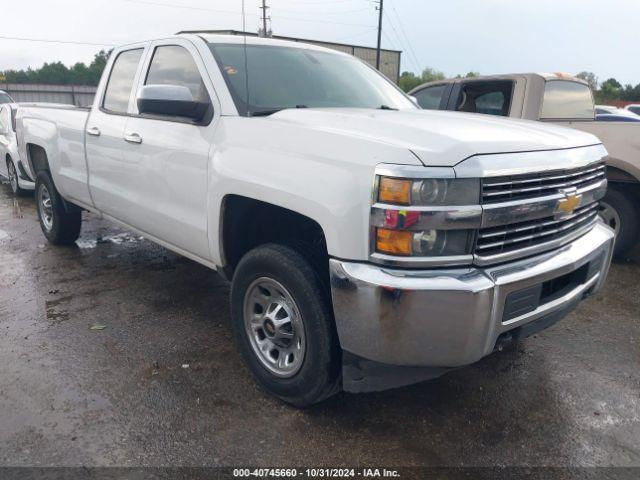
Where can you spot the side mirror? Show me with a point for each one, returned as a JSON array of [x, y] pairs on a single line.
[[171, 101]]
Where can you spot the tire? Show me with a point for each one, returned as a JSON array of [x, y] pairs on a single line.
[[286, 285], [60, 226], [619, 209], [12, 174]]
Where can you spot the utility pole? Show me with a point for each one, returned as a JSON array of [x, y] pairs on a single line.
[[379, 33], [264, 7]]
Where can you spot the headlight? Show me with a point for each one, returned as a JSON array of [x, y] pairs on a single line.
[[424, 243], [428, 219], [429, 191]]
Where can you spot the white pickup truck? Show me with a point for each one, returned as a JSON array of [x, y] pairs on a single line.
[[564, 100], [370, 244]]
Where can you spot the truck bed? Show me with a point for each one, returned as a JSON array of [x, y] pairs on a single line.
[[60, 130]]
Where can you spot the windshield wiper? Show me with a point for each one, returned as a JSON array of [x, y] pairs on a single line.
[[386, 107], [271, 111], [264, 113]]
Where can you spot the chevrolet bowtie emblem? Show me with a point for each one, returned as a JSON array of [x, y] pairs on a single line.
[[569, 203]]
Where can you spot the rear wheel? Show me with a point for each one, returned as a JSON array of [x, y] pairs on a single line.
[[283, 325], [13, 178], [61, 227], [619, 209]]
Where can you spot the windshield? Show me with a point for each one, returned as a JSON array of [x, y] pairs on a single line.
[[4, 98], [290, 77]]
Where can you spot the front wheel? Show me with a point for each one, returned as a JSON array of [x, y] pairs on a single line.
[[283, 325], [61, 227], [620, 211]]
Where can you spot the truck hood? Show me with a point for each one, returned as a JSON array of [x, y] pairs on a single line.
[[439, 138]]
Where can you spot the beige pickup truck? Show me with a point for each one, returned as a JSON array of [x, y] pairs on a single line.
[[562, 99]]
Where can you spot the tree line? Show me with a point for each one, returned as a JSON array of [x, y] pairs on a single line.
[[59, 74], [610, 89]]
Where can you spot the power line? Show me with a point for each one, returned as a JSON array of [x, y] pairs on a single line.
[[229, 12], [367, 31], [390, 41], [404, 33], [321, 2], [188, 7], [22, 39], [401, 42], [341, 12]]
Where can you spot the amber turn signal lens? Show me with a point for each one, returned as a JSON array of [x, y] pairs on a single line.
[[396, 242], [394, 190]]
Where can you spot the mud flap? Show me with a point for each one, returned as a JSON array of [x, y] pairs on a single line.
[[360, 375]]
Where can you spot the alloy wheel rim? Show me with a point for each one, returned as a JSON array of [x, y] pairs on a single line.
[[46, 208], [274, 326], [610, 216], [13, 177]]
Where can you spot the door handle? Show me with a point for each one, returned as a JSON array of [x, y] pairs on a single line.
[[95, 131], [133, 138]]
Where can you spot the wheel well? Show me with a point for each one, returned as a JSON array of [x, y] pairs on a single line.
[[617, 175], [624, 182], [247, 223], [38, 158]]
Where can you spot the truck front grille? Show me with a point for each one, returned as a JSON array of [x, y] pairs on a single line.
[[518, 187], [535, 233]]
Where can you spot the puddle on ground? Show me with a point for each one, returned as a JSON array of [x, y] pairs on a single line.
[[17, 211], [54, 314], [117, 239]]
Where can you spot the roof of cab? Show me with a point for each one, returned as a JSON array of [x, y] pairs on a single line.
[[250, 40], [507, 76]]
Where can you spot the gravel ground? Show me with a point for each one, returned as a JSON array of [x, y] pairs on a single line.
[[162, 383]]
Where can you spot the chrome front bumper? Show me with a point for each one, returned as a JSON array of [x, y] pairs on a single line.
[[450, 318]]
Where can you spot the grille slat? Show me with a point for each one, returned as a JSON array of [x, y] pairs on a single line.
[[520, 238], [491, 183], [503, 189], [497, 231], [513, 240]]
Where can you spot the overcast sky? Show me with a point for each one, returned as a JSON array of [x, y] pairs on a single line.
[[455, 36]]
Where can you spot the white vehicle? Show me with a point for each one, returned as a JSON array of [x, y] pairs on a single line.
[[611, 110], [370, 244], [565, 100], [634, 108], [606, 108], [5, 97], [10, 165]]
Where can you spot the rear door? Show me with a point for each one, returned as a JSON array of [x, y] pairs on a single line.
[[170, 156], [110, 177]]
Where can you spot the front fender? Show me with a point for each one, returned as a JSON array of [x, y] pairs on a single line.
[[328, 178]]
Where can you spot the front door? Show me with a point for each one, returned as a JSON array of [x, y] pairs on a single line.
[[171, 155]]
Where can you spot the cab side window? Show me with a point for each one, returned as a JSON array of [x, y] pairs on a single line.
[[491, 97], [120, 83], [429, 98], [174, 65]]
